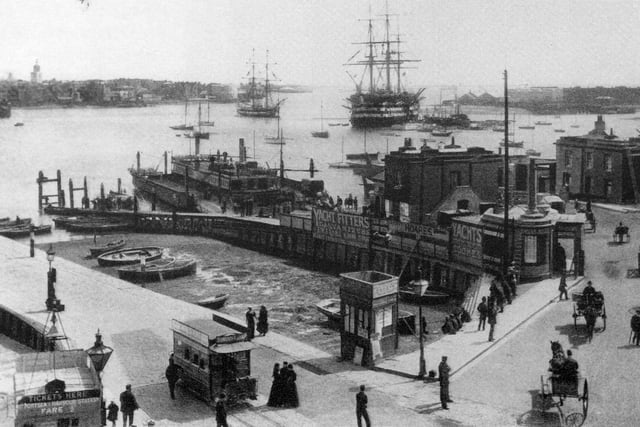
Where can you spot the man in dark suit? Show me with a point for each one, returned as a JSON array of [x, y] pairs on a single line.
[[361, 407], [443, 376]]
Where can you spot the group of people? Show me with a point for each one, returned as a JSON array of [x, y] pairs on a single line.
[[349, 203], [128, 405], [263, 322], [284, 392], [454, 321], [501, 291]]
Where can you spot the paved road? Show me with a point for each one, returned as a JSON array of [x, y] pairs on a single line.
[[508, 378]]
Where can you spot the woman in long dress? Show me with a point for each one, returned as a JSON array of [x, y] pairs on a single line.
[[275, 395], [292, 390], [263, 323]]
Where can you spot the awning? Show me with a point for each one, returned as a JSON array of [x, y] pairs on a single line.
[[232, 347]]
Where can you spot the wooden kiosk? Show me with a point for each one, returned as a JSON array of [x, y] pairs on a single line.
[[369, 309], [210, 363]]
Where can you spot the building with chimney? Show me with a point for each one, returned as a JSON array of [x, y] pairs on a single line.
[[598, 166]]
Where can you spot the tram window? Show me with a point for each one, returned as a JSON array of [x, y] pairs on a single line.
[[187, 354], [201, 363], [195, 358]]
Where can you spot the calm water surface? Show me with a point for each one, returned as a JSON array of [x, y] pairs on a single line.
[[101, 143]]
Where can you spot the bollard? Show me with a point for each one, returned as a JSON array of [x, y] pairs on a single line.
[[32, 243]]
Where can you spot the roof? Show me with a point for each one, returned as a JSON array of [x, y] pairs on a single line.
[[232, 347], [207, 326]]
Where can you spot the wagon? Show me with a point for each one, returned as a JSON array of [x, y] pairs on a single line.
[[562, 387], [590, 306]]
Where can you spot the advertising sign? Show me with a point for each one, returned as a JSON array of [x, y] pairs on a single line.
[[466, 243], [340, 227]]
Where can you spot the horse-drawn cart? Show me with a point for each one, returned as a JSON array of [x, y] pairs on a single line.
[[563, 387], [590, 306]]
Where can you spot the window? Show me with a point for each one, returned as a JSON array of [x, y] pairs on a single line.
[[530, 249], [608, 188], [587, 184], [349, 319], [566, 179], [454, 180], [608, 163], [567, 159], [589, 158], [384, 319], [187, 354], [363, 323]]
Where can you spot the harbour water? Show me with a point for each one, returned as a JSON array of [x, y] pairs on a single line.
[[101, 143]]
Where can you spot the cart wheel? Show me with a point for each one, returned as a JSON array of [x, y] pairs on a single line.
[[604, 317], [585, 398], [574, 420]]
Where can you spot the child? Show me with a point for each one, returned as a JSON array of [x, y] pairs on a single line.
[[112, 413]]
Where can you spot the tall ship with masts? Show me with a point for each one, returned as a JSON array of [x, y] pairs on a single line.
[[254, 98], [380, 100]]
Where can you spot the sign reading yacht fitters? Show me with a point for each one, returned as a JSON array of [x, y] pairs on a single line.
[[340, 227], [466, 245]]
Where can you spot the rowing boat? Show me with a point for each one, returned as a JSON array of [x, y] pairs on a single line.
[[129, 256], [160, 269]]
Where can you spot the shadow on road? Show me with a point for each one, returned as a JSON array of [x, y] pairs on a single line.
[[576, 337], [538, 416]]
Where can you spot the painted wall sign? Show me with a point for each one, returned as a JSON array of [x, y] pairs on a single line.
[[467, 243], [341, 227]]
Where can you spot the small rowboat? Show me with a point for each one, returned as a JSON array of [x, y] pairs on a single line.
[[161, 269], [111, 246], [18, 231], [214, 302], [7, 222], [129, 256], [330, 307]]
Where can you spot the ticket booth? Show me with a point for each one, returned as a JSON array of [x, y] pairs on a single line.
[[369, 310], [57, 389]]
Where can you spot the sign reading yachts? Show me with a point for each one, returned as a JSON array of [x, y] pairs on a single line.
[[467, 243], [340, 227]]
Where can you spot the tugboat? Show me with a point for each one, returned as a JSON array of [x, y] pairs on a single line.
[[388, 105], [254, 100]]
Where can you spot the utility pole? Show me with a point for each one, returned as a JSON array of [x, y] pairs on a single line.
[[505, 257]]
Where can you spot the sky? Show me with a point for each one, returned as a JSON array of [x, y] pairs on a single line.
[[458, 42]]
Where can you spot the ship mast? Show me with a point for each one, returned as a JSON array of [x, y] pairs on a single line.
[[387, 56], [252, 89], [266, 83], [371, 89]]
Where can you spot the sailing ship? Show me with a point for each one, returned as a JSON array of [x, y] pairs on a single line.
[[321, 133], [198, 132], [279, 139], [183, 126], [254, 99], [341, 164], [388, 105]]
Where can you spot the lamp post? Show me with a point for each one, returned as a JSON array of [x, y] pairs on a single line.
[[423, 364], [51, 279], [99, 355]]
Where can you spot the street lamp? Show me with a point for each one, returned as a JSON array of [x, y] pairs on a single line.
[[99, 353], [51, 279]]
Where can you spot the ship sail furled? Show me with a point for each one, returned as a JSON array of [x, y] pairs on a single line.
[[254, 97], [384, 102]]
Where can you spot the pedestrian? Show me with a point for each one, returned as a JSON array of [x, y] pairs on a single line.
[[496, 293], [112, 413], [361, 407], [263, 323], [275, 395], [563, 287], [506, 290], [221, 411], [251, 323], [492, 317], [291, 394], [128, 405], [172, 376], [635, 327], [443, 376], [482, 309], [512, 278]]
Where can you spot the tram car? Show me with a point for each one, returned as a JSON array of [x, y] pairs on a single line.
[[210, 363]]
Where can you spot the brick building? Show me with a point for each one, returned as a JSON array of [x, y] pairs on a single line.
[[418, 180], [599, 166]]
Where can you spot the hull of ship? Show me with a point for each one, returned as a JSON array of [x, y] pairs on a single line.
[[382, 110], [168, 193], [258, 112], [377, 120]]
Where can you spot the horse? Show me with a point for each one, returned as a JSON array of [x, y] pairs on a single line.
[[590, 316], [556, 362]]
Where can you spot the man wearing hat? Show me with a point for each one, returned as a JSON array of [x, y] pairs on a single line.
[[635, 327], [128, 405], [443, 376]]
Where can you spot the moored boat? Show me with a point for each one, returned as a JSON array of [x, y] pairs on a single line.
[[18, 231], [330, 307], [160, 269], [417, 291], [111, 246], [254, 99], [129, 256], [215, 302], [7, 222]]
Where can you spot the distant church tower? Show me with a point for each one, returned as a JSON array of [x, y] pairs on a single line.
[[36, 76]]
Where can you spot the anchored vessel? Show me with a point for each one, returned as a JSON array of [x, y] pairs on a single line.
[[375, 106], [254, 98]]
